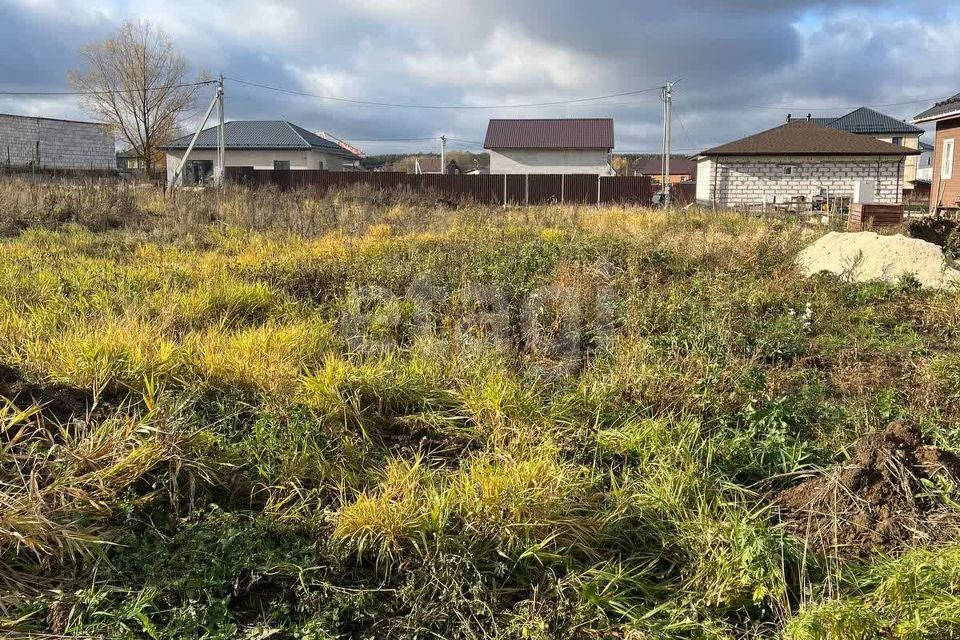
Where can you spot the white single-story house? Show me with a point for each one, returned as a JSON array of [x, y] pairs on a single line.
[[567, 146], [258, 144], [799, 160]]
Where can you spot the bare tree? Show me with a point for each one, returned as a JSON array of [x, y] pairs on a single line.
[[136, 81]]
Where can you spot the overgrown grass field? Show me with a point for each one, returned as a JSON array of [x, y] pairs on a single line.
[[354, 416]]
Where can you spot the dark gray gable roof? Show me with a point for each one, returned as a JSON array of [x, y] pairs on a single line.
[[823, 122], [950, 105], [926, 146], [868, 121], [261, 134]]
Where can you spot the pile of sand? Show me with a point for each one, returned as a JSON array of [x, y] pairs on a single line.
[[882, 499], [864, 256]]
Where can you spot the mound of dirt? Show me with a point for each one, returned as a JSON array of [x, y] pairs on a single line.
[[864, 256], [877, 501]]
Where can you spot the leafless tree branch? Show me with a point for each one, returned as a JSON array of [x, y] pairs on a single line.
[[138, 82]]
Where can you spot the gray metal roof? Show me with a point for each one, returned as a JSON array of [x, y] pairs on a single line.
[[867, 121], [261, 134], [950, 105]]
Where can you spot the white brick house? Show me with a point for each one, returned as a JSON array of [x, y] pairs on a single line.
[[800, 159]]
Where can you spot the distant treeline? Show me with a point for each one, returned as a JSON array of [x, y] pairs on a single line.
[[405, 162]]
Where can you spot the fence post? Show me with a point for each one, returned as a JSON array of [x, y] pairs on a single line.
[[504, 191], [562, 181], [526, 190], [598, 189]]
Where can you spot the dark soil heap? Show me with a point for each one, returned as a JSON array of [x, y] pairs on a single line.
[[940, 231], [877, 501], [58, 403]]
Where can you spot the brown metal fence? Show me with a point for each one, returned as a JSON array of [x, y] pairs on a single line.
[[486, 189]]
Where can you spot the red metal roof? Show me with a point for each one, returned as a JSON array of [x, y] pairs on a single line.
[[570, 133], [678, 167]]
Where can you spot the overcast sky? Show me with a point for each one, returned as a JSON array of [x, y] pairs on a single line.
[[733, 59]]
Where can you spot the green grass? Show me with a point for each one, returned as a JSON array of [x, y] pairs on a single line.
[[361, 416]]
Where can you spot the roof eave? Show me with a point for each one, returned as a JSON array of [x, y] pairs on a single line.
[[939, 116], [333, 152], [499, 148], [238, 148], [915, 131], [872, 154]]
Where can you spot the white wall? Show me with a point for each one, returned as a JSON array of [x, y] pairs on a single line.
[[522, 161], [261, 159], [910, 163], [704, 177], [753, 180]]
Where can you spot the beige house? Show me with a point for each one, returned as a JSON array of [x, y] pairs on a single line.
[[258, 144], [554, 146], [798, 162], [867, 122]]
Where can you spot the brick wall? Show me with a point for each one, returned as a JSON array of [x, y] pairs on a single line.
[[752, 180], [61, 144]]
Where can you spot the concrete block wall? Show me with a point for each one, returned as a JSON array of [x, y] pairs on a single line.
[[751, 180], [60, 144]]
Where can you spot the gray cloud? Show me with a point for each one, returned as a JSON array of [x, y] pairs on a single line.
[[816, 55]]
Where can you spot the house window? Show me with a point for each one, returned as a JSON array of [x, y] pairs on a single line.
[[946, 165], [281, 165], [788, 170], [897, 140]]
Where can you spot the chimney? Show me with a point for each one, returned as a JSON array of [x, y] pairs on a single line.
[[788, 118], [808, 117]]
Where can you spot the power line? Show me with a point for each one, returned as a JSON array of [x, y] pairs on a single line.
[[683, 128], [656, 152], [349, 139], [435, 106], [105, 91], [841, 108]]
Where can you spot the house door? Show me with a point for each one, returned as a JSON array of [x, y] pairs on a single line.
[[199, 171]]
